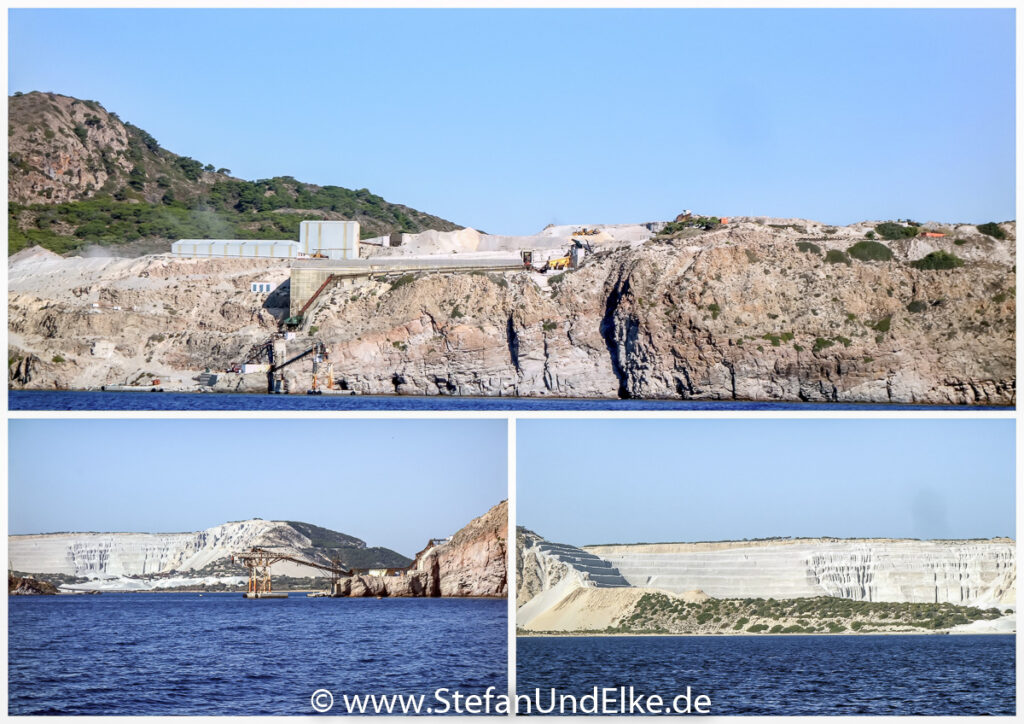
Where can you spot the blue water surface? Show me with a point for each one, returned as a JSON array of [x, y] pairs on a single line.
[[177, 653], [789, 675], [83, 400]]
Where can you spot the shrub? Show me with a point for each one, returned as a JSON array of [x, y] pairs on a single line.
[[808, 248], [834, 256], [456, 312], [556, 279], [821, 343], [715, 310], [938, 260], [402, 281], [891, 231], [917, 306], [869, 235], [549, 326], [992, 229], [757, 628], [57, 359], [314, 329], [870, 251], [882, 325]]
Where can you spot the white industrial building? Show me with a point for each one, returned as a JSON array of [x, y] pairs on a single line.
[[333, 239], [317, 239]]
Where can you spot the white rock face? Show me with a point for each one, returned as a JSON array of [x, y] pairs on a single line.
[[969, 573], [114, 555]]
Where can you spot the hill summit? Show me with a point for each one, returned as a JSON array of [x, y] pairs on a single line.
[[79, 175]]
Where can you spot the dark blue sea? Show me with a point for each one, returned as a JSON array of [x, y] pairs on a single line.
[[790, 675], [177, 653], [62, 400]]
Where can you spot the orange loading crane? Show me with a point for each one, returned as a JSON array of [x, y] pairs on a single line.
[[259, 560]]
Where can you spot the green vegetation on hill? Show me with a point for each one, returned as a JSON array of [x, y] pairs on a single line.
[[992, 229], [870, 251], [150, 193], [892, 231], [938, 260], [660, 613], [230, 209]]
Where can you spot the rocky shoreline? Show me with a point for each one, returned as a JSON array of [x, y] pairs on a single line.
[[753, 311]]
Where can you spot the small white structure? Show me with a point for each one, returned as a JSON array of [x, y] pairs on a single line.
[[261, 287], [333, 239]]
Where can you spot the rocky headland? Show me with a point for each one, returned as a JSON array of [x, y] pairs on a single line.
[[19, 586], [758, 309], [473, 563]]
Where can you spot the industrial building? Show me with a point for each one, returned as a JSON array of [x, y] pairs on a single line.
[[317, 239], [244, 248]]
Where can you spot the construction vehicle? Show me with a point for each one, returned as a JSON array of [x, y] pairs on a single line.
[[586, 232], [572, 259], [258, 561], [558, 264]]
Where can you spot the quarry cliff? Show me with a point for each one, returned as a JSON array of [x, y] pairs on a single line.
[[748, 311], [139, 561], [821, 585]]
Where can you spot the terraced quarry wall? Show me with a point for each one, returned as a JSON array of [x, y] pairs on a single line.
[[974, 573]]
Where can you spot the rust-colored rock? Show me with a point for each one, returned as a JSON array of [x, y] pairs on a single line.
[[17, 586], [472, 564]]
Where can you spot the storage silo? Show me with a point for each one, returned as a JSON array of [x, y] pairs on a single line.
[[332, 239]]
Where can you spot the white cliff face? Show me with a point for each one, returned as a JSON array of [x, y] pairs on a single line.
[[969, 573], [113, 555]]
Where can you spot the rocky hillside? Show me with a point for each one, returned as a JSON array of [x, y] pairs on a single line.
[[114, 557], [472, 563], [754, 310], [744, 312], [18, 586], [78, 175]]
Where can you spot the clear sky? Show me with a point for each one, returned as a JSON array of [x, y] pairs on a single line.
[[510, 120], [393, 483], [628, 481]]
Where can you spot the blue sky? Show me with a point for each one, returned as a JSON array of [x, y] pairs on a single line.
[[393, 483], [511, 120], [627, 481]]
